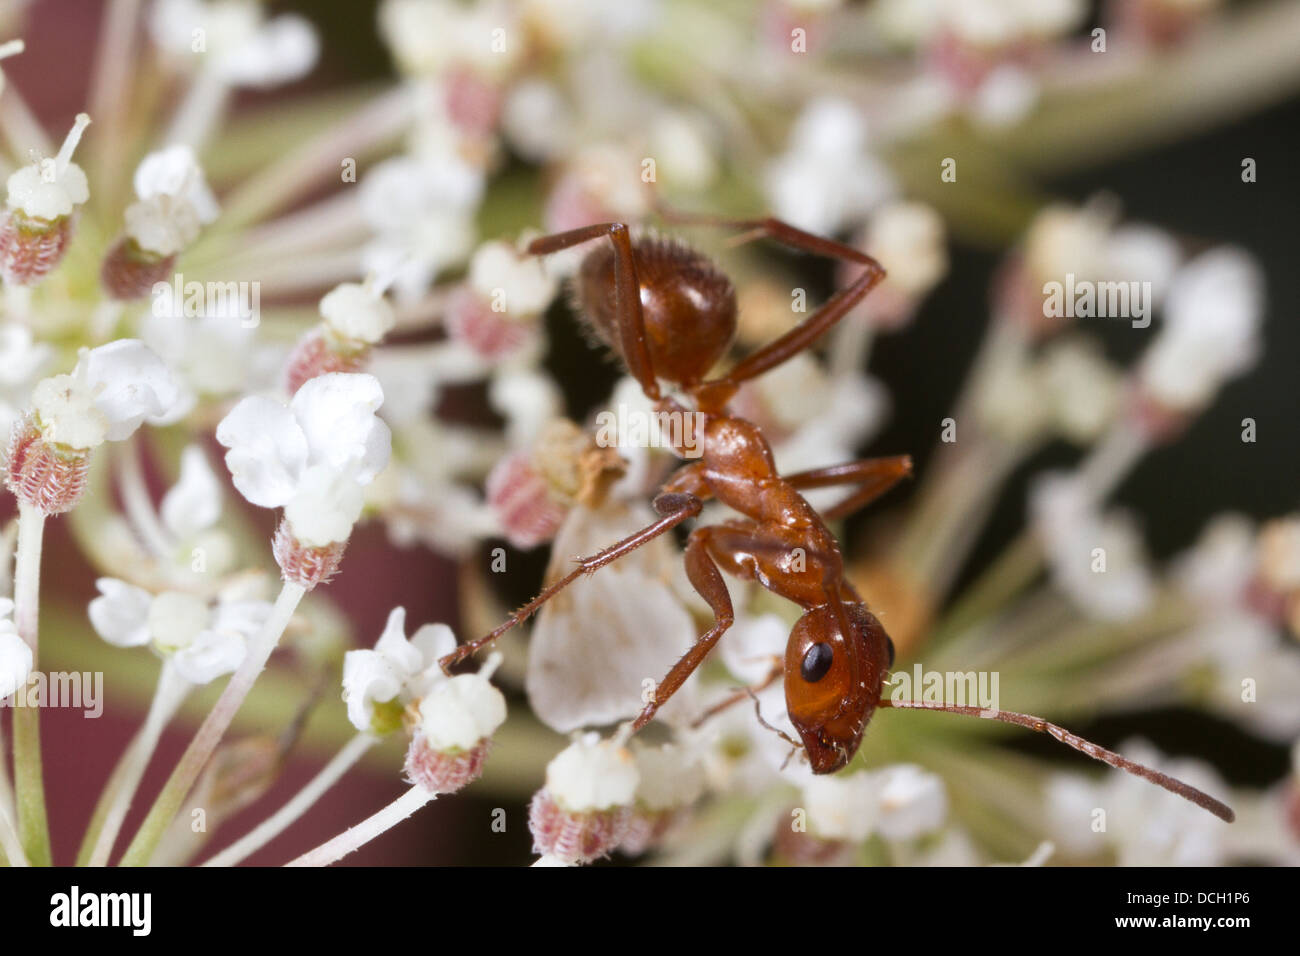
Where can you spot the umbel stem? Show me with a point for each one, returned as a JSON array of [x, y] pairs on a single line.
[[213, 729], [358, 836], [29, 787]]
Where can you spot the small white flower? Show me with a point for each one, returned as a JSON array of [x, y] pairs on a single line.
[[323, 442], [111, 392], [15, 655], [827, 179], [220, 647], [1145, 825], [1082, 388], [53, 188], [174, 201], [1064, 240], [671, 776], [1140, 253], [203, 641], [521, 283], [913, 802], [358, 312], [537, 121], [1213, 312], [527, 400], [1006, 96], [240, 45], [175, 619], [1217, 569], [422, 209], [592, 774], [907, 238], [460, 712], [1097, 560], [396, 669], [842, 806]]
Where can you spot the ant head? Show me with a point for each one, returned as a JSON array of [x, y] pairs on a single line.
[[835, 662], [689, 306]]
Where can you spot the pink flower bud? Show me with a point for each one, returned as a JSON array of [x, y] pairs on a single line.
[[492, 334], [441, 771], [46, 476], [473, 103], [31, 247], [129, 272], [303, 565], [318, 353], [522, 499], [575, 836]]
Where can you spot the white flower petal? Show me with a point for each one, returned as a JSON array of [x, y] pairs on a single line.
[[268, 450], [120, 615], [392, 644], [210, 655], [368, 677], [130, 383], [15, 663], [194, 502], [337, 415]]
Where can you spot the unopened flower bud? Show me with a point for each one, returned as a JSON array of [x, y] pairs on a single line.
[[584, 810], [356, 316], [130, 272], [303, 564], [42, 198], [524, 503], [43, 474], [457, 719]]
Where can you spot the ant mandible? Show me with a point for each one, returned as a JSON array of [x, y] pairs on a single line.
[[671, 314]]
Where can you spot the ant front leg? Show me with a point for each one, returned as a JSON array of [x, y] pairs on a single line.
[[675, 508], [627, 295], [875, 476], [812, 328], [707, 580]]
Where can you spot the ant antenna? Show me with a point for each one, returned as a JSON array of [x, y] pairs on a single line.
[[1184, 790], [776, 730]]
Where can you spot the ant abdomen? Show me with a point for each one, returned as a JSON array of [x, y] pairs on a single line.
[[689, 306]]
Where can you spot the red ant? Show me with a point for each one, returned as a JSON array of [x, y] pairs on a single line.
[[671, 314]]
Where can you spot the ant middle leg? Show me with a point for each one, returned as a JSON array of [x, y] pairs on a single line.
[[875, 476], [707, 580], [627, 295], [675, 507]]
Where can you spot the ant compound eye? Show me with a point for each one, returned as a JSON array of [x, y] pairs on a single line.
[[889, 642], [816, 662]]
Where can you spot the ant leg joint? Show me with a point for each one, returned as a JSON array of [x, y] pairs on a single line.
[[671, 502]]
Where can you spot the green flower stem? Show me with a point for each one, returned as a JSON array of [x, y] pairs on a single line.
[[29, 786], [213, 729], [115, 801]]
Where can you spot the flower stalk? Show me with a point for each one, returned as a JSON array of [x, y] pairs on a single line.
[[29, 786], [213, 729]]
